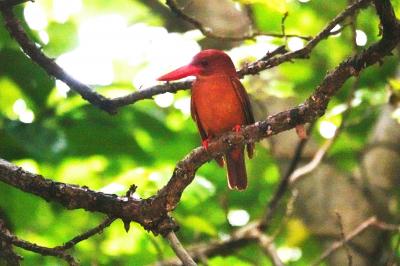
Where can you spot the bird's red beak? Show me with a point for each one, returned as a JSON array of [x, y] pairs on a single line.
[[182, 72]]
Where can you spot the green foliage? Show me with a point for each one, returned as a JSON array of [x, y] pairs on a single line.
[[71, 141]]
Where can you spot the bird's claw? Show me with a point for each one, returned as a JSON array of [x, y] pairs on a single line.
[[204, 143], [301, 132], [237, 128]]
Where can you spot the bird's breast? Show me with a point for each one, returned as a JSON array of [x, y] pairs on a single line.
[[217, 104]]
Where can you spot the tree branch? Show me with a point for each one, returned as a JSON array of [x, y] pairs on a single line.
[[304, 52], [45, 251], [370, 222], [7, 253], [111, 106], [343, 238], [96, 230], [283, 184], [179, 250]]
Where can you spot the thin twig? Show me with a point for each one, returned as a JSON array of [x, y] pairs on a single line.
[[338, 244], [304, 52], [283, 184], [372, 221], [7, 253], [179, 250], [286, 217], [268, 247], [45, 251], [319, 155], [283, 28], [343, 237], [96, 230]]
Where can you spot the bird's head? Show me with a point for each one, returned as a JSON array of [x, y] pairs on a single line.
[[206, 63]]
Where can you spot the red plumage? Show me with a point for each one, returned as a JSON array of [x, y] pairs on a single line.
[[219, 103]]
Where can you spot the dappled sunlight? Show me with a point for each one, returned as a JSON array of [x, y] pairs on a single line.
[[287, 254], [327, 129], [63, 9], [28, 165], [114, 188], [35, 16], [337, 29], [295, 44], [25, 115], [253, 50], [164, 100], [238, 217], [361, 38], [183, 104]]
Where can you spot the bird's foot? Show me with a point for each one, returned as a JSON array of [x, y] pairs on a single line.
[[301, 131], [237, 128], [204, 143]]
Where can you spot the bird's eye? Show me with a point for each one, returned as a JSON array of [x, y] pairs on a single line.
[[204, 63]]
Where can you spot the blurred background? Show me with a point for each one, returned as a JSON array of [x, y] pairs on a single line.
[[123, 45]]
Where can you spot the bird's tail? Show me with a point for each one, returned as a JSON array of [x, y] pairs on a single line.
[[237, 176]]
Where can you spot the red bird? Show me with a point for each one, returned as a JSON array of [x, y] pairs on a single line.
[[219, 103]]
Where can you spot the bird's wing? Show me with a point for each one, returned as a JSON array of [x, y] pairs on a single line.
[[203, 134], [246, 107], [195, 117], [244, 100]]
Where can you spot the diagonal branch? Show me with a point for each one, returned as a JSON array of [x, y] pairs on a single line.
[[7, 253], [283, 185], [179, 250], [96, 230], [304, 52], [111, 106], [45, 251], [370, 222]]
